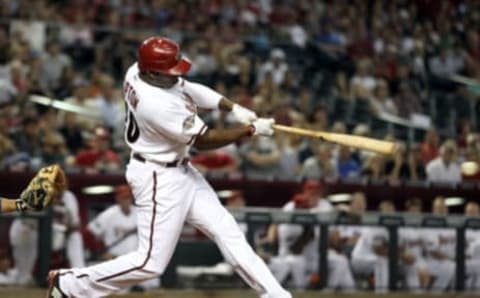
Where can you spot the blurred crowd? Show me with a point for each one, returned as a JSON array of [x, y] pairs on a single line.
[[325, 65]]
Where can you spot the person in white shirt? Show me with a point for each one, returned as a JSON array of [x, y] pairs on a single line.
[[445, 167], [298, 246], [370, 255], [275, 66], [411, 240], [440, 250], [116, 226]]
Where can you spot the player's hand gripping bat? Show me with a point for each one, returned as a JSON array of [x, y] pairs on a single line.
[[364, 143]]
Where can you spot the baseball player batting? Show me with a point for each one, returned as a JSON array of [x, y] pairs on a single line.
[[161, 125]]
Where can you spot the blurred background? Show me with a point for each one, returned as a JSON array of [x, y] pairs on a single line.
[[401, 70]]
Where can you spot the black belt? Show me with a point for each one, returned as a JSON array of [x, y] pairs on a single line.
[[171, 164]]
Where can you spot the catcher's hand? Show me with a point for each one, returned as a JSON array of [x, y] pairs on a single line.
[[46, 187]]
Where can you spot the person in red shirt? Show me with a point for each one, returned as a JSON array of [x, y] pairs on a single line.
[[100, 157], [430, 146], [215, 162]]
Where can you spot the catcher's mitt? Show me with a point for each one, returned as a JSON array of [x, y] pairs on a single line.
[[46, 187]]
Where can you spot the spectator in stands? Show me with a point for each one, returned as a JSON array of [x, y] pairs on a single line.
[[54, 150], [289, 164], [318, 118], [72, 133], [347, 166], [440, 249], [445, 168], [407, 101], [276, 66], [52, 65], [405, 165], [445, 64], [99, 157], [363, 83], [430, 146], [261, 156], [321, 164], [29, 139], [81, 98], [215, 163], [381, 103], [111, 106], [11, 159]]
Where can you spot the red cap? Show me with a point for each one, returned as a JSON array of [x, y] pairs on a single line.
[[159, 54], [123, 192], [301, 201]]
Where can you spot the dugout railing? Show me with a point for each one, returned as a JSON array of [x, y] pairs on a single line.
[[392, 222], [255, 217]]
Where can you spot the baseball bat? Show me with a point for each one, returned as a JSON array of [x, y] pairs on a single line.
[[364, 143]]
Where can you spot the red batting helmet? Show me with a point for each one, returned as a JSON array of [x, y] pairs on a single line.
[[159, 54]]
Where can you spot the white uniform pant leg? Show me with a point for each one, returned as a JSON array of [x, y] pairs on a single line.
[[339, 273], [207, 214], [472, 268], [162, 197], [442, 271], [75, 250], [280, 268], [376, 264], [23, 238], [412, 279], [300, 276]]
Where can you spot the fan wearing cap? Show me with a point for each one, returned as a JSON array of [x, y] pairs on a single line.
[[99, 157], [162, 124]]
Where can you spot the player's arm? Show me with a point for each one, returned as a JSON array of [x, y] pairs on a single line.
[[207, 98], [7, 205], [243, 115], [216, 138]]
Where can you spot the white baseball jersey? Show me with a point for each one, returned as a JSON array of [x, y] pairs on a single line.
[[442, 240], [472, 243], [412, 239], [66, 218], [289, 233], [371, 237], [116, 229], [166, 118]]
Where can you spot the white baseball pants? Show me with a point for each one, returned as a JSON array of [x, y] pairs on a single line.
[[379, 266], [166, 198], [301, 268], [443, 273]]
